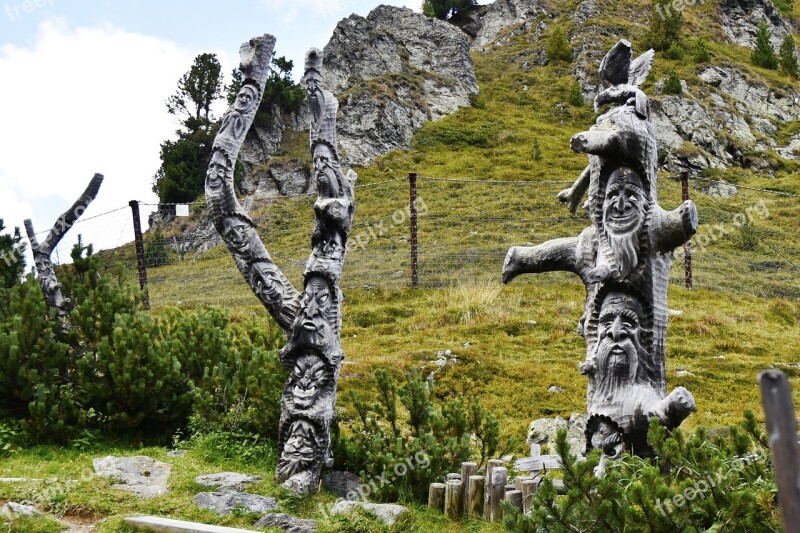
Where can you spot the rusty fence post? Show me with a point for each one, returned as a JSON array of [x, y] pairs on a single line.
[[776, 396], [687, 246], [412, 185], [137, 234]]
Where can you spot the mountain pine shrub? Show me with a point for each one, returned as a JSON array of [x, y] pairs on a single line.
[[788, 57], [701, 53], [672, 83], [763, 54], [557, 46], [666, 26]]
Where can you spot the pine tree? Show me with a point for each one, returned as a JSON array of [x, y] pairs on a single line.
[[666, 25], [788, 57], [763, 54], [701, 54], [558, 48], [12, 260]]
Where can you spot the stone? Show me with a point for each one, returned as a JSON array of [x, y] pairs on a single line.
[[227, 481], [420, 66], [12, 510], [311, 318], [502, 14], [721, 189], [555, 389], [623, 259], [388, 513], [143, 476], [740, 20], [176, 453], [543, 430], [224, 503], [341, 484], [168, 525], [287, 523]]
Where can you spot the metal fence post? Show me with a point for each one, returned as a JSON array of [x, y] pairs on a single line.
[[687, 246], [412, 184], [137, 234], [776, 396]]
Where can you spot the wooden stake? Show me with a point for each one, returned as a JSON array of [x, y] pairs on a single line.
[[498, 492], [473, 503], [468, 470], [515, 497], [528, 488], [487, 491], [436, 497], [452, 499]]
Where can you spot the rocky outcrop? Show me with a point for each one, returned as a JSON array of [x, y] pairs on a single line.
[[263, 141], [740, 20], [393, 71], [280, 177], [508, 17]]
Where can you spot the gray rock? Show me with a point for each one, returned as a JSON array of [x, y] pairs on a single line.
[[12, 510], [341, 483], [740, 20], [502, 15], [543, 430], [176, 453], [555, 389], [164, 525], [288, 523], [388, 513], [393, 71], [227, 481], [224, 503], [721, 189], [143, 476]]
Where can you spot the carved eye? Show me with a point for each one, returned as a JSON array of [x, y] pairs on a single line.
[[322, 298]]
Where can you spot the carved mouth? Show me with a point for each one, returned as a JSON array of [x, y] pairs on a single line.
[[622, 223], [304, 394], [309, 325]]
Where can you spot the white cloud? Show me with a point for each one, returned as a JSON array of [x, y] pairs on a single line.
[[80, 101], [330, 10]]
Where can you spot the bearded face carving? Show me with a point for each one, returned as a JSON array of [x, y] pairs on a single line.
[[268, 283], [316, 97], [308, 381], [619, 351], [624, 209], [217, 173], [327, 173], [299, 453], [237, 234], [312, 326]]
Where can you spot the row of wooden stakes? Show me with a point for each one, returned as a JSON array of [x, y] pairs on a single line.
[[467, 494]]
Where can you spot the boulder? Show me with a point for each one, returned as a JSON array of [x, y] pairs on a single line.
[[12, 510], [227, 481], [224, 503], [143, 476], [502, 15], [740, 20], [721, 189], [341, 484], [543, 431], [287, 523], [388, 513]]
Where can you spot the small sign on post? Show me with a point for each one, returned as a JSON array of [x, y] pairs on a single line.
[[182, 210]]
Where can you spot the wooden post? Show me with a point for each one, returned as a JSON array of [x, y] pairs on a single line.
[[452, 499], [412, 185], [687, 246], [137, 235], [776, 396], [515, 497], [453, 476], [468, 470], [491, 464], [498, 492], [473, 504], [436, 496], [529, 487]]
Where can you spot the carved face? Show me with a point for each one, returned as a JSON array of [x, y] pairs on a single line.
[[608, 438], [268, 283], [245, 100], [618, 348], [312, 324], [308, 379], [217, 171], [325, 172], [313, 83], [237, 234], [299, 451], [625, 203]]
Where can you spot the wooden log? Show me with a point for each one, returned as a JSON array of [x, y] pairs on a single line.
[[452, 476], [473, 504], [528, 489], [508, 488], [535, 464], [491, 464], [518, 481], [515, 498], [468, 469], [498, 492], [436, 496], [776, 396], [452, 499]]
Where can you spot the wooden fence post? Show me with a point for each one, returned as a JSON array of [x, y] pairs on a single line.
[[687, 246], [137, 234], [776, 396], [412, 186]]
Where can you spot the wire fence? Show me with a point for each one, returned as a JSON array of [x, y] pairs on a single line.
[[747, 242]]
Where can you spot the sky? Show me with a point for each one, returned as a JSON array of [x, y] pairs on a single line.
[[83, 86]]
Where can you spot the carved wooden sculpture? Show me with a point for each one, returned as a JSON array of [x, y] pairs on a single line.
[[42, 251], [623, 258], [312, 318]]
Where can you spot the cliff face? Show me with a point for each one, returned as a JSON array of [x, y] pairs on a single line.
[[393, 71]]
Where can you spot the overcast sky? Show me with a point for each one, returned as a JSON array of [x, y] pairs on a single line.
[[83, 86]]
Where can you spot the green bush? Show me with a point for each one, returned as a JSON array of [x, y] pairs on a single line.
[[672, 83], [417, 446], [699, 483], [536, 150], [788, 57], [763, 54], [701, 53], [666, 25], [674, 52], [558, 47], [575, 96]]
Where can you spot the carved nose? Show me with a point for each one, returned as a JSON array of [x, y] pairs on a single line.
[[621, 203], [617, 332]]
